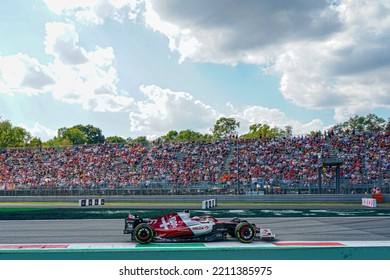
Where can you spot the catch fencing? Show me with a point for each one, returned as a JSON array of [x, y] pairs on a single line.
[[163, 188]]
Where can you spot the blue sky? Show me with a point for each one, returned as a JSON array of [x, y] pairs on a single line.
[[144, 67]]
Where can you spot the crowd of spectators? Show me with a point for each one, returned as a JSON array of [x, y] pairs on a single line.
[[184, 163], [112, 165], [295, 160], [262, 161], [253, 162], [103, 165]]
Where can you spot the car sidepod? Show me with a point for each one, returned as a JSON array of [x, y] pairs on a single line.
[[202, 229]]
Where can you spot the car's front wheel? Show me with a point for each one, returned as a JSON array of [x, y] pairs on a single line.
[[245, 232], [143, 233]]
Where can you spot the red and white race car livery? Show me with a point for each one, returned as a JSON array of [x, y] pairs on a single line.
[[180, 227]]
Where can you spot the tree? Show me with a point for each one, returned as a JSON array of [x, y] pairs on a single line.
[[75, 135], [171, 135], [35, 142], [61, 131], [57, 142], [288, 131], [11, 136], [369, 123], [115, 139], [94, 135], [188, 135], [206, 137], [67, 137], [141, 140], [225, 127], [259, 130], [5, 133], [89, 134]]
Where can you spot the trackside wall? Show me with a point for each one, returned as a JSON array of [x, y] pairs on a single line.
[[200, 198]]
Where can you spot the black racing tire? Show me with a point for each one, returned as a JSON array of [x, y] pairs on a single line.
[[245, 232], [143, 233]]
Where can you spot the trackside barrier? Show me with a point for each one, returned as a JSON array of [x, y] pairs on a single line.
[[91, 202], [209, 203], [370, 202]]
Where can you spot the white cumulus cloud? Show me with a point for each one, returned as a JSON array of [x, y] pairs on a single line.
[[22, 74], [328, 54], [274, 118], [75, 76], [61, 42], [163, 110], [40, 131], [94, 12]]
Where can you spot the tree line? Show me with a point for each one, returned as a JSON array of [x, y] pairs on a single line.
[[14, 136]]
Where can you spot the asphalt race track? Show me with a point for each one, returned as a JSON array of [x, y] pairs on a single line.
[[111, 231]]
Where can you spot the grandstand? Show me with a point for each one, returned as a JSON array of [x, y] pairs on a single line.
[[244, 166]]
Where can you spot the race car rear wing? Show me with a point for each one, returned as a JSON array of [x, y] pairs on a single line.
[[132, 221]]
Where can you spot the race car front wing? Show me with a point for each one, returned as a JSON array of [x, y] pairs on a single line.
[[265, 234]]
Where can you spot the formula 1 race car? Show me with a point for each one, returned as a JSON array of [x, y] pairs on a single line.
[[180, 227]]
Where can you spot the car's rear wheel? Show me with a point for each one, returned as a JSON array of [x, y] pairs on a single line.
[[143, 233], [245, 232]]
